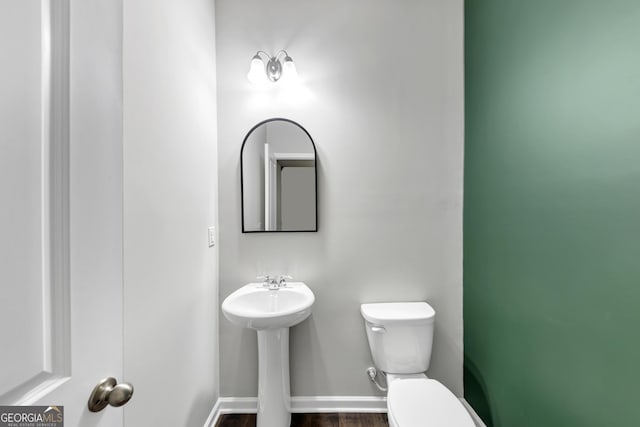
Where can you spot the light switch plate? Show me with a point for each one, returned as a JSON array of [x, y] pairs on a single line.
[[212, 236]]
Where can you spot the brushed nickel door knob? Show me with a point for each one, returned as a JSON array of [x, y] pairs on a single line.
[[109, 392]]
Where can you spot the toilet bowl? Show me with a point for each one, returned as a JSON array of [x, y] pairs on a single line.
[[400, 337]]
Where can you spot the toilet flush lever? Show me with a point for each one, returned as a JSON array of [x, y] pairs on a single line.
[[378, 329]]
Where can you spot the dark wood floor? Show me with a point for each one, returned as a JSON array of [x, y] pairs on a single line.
[[311, 420]]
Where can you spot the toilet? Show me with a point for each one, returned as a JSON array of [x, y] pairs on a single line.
[[400, 338]]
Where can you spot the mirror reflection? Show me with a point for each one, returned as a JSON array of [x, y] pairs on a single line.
[[278, 178]]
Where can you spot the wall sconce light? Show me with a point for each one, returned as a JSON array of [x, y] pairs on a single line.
[[265, 68]]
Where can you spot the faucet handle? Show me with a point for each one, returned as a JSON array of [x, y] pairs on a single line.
[[265, 278], [282, 279]]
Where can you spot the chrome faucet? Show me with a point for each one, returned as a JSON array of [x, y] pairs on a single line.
[[274, 283]]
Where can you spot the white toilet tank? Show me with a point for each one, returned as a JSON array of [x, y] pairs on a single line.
[[400, 335]]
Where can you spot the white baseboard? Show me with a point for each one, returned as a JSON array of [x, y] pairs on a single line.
[[476, 418], [238, 405], [299, 404], [313, 404], [212, 419], [316, 404]]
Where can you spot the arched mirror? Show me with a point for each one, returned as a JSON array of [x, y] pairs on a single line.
[[278, 178]]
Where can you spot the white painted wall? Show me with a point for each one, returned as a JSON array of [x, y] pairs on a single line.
[[382, 97], [21, 181], [285, 137], [171, 303]]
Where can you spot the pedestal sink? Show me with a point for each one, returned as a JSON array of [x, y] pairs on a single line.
[[271, 312]]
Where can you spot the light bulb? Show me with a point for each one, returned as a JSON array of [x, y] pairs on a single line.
[[289, 73], [257, 73]]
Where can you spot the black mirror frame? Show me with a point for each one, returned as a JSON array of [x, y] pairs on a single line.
[[315, 171]]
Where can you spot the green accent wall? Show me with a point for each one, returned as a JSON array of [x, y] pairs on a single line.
[[552, 212]]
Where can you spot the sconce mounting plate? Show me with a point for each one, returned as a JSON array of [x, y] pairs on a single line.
[[274, 69]]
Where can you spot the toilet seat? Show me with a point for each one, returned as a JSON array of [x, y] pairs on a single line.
[[424, 402]]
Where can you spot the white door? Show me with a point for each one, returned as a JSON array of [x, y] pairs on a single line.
[[61, 271]]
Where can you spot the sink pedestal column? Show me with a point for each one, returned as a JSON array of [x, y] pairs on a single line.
[[274, 394]]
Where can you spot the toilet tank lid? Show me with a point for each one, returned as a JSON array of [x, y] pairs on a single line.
[[389, 312]]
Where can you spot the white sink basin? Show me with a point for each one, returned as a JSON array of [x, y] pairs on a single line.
[[255, 306]]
